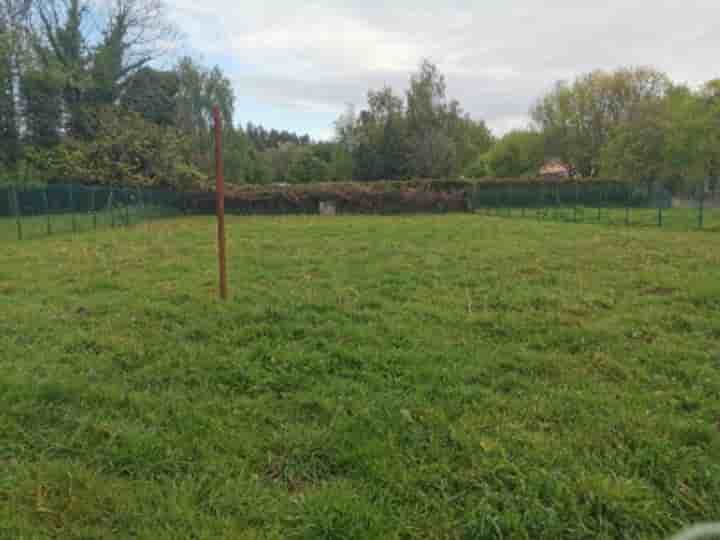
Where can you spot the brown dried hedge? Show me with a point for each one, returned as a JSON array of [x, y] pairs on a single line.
[[417, 196]]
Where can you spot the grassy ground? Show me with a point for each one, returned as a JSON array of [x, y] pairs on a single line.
[[429, 377]]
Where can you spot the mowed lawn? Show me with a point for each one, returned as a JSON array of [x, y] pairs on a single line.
[[458, 376]]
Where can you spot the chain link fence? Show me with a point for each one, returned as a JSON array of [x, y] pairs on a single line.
[[34, 211], [617, 203]]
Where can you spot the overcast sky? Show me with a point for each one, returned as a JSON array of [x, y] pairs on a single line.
[[295, 64]]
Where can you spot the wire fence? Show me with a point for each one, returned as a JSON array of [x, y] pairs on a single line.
[[616, 203], [35, 211]]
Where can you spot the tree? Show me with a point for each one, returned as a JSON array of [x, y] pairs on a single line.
[[126, 149], [635, 150], [577, 119], [63, 44], [519, 153], [13, 27], [307, 167], [98, 68], [478, 168], [135, 33], [198, 91], [9, 136], [432, 149], [153, 94], [377, 138], [675, 140], [42, 93]]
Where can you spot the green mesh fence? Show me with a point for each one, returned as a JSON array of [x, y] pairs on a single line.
[[34, 211], [616, 203]]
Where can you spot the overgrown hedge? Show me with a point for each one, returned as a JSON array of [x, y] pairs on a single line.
[[416, 196], [351, 198]]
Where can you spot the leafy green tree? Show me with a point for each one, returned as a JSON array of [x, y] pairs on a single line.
[[64, 44], [42, 93], [307, 167], [636, 150], [478, 168], [577, 119], [13, 54], [519, 153], [425, 136], [675, 140], [126, 149], [152, 94], [341, 165], [9, 134], [433, 151]]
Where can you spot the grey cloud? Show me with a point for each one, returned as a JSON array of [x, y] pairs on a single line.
[[498, 57]]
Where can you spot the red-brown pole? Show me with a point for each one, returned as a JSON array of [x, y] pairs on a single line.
[[220, 192]]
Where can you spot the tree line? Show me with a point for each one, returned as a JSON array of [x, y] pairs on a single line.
[[631, 123], [83, 99]]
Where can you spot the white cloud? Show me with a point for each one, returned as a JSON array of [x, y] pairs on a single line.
[[317, 55]]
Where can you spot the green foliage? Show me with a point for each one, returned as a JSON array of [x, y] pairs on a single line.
[[424, 136], [306, 167], [9, 132], [519, 153], [42, 93], [635, 150], [676, 140], [479, 168], [153, 94], [521, 380], [57, 79], [126, 149], [577, 119]]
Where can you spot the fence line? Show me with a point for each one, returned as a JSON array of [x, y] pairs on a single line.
[[619, 203], [36, 211]]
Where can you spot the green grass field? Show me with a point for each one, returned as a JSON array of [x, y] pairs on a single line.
[[458, 377]]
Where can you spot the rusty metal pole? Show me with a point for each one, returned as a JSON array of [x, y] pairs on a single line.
[[220, 193]]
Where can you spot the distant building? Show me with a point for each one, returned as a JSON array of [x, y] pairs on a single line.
[[556, 168]]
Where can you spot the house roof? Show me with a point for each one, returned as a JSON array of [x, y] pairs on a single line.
[[555, 166]]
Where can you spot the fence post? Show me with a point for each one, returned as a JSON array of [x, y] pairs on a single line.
[[127, 208], [220, 199], [575, 206], [541, 202], [14, 201], [139, 205], [47, 212], [92, 208], [628, 193], [556, 205], [111, 207], [701, 208], [72, 208]]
